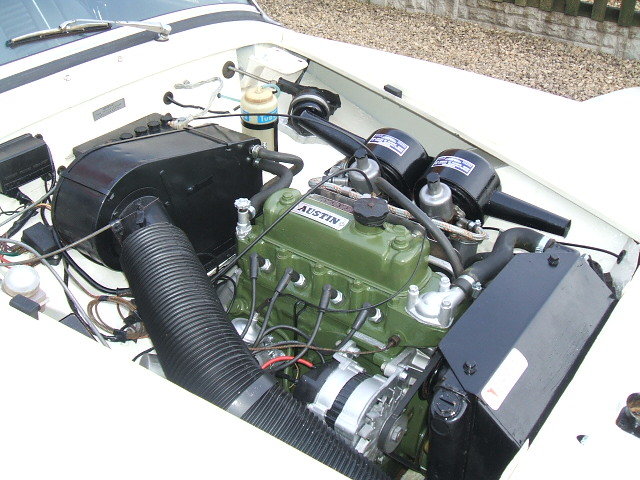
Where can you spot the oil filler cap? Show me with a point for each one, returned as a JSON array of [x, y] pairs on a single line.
[[370, 211]]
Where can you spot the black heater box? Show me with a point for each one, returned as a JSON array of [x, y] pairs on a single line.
[[196, 173]]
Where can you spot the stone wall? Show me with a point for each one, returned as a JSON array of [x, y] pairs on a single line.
[[605, 37]]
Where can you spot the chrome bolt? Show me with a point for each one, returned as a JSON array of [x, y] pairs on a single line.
[[338, 298], [300, 282], [376, 317], [476, 288], [266, 266]]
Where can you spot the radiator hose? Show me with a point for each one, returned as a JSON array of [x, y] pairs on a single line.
[[200, 350], [270, 161], [489, 265], [283, 178]]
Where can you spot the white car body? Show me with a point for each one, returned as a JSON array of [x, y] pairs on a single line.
[[72, 408]]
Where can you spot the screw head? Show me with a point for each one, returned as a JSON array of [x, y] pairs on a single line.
[[447, 404], [470, 367], [553, 260], [396, 434]]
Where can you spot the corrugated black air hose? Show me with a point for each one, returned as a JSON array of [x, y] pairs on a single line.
[[200, 350]]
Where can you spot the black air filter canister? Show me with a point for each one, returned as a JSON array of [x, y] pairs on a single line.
[[401, 157], [471, 178], [475, 187]]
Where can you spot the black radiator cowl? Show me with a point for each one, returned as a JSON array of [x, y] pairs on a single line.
[[510, 356]]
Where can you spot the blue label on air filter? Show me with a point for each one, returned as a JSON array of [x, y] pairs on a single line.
[[259, 118], [388, 141], [456, 163]]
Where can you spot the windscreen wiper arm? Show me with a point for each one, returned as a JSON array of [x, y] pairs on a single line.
[[78, 26]]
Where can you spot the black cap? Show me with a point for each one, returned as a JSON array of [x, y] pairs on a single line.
[[360, 153], [370, 211], [433, 177], [154, 126], [141, 130]]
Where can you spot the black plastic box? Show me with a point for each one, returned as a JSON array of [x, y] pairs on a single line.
[[22, 160]]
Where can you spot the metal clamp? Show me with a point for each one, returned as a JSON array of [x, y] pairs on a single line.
[[251, 395]]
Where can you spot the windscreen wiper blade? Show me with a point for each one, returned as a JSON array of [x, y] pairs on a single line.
[[76, 27]]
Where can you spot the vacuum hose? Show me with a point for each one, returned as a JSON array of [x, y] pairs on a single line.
[[200, 350]]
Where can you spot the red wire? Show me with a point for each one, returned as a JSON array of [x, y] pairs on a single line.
[[284, 358]]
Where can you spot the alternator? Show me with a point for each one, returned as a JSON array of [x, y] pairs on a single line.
[[356, 405]]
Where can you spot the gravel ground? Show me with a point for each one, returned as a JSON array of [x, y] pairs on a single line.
[[555, 67]]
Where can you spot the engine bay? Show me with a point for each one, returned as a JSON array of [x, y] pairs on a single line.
[[399, 309]]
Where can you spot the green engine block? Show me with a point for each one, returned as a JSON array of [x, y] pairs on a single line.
[[321, 240]]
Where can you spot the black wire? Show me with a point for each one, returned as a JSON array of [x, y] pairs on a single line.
[[324, 302], [50, 192], [72, 305], [252, 312], [20, 222], [46, 187], [286, 327], [144, 352], [304, 345], [417, 347], [265, 321], [170, 99], [11, 212], [618, 256], [225, 279], [117, 291], [275, 328], [84, 275], [44, 217], [296, 345], [296, 315]]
